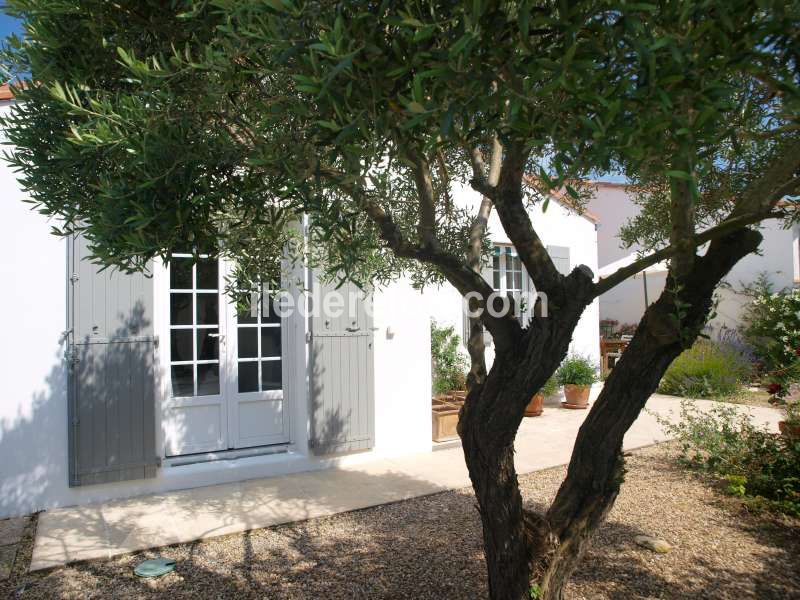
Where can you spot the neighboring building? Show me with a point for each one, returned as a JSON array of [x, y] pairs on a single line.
[[778, 258], [121, 385]]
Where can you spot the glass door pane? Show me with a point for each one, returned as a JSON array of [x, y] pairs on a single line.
[[257, 406], [259, 355], [194, 326]]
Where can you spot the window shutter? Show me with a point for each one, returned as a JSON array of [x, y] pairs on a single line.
[[111, 373], [560, 257], [342, 380]]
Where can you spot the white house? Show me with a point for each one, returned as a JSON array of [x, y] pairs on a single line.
[[120, 385], [778, 258]]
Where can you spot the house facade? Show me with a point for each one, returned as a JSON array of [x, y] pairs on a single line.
[[778, 259], [571, 240], [120, 385]]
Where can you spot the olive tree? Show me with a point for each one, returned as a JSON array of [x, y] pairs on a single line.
[[148, 126]]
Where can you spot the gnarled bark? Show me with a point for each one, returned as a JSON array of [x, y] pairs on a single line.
[[522, 548], [489, 420], [596, 468]]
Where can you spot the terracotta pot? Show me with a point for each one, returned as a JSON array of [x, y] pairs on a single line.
[[789, 431], [535, 406], [576, 396]]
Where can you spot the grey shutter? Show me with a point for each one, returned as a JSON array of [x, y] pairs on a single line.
[[342, 383], [560, 257], [111, 373]]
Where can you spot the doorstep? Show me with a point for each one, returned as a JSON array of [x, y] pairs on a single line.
[[108, 529]]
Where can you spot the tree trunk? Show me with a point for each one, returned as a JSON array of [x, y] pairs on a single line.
[[520, 547], [490, 462], [488, 424], [477, 354], [596, 469]]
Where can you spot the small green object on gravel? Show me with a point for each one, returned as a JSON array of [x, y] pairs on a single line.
[[652, 543], [155, 567]]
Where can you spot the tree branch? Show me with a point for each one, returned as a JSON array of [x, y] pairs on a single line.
[[756, 204], [427, 202], [779, 180], [480, 182], [724, 228], [505, 329], [517, 224], [478, 228], [476, 345]]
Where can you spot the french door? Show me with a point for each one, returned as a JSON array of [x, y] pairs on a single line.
[[254, 392], [226, 369]]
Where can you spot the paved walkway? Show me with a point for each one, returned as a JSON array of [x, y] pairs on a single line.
[[103, 530]]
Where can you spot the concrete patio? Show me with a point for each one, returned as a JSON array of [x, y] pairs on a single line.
[[103, 530]]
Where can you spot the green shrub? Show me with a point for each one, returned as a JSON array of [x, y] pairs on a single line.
[[576, 370], [550, 387], [449, 364], [772, 328], [760, 466], [706, 370]]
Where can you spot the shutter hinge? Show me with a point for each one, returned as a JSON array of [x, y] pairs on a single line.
[[308, 337], [74, 277], [72, 357]]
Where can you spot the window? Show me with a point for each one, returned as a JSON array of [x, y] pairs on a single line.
[[259, 349], [194, 314], [509, 277]]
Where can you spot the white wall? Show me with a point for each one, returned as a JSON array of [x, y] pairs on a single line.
[[33, 406], [625, 303], [778, 257], [33, 310], [402, 370], [613, 208]]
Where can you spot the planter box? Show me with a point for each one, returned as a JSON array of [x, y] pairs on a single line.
[[444, 415], [444, 421]]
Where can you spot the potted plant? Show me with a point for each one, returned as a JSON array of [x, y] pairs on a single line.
[[536, 405], [790, 426], [577, 374]]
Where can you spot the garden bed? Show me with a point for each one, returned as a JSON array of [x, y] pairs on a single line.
[[431, 548]]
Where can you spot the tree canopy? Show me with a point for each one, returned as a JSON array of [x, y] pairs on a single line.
[[216, 123], [220, 125]]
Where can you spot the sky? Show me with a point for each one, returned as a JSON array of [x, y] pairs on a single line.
[[8, 25]]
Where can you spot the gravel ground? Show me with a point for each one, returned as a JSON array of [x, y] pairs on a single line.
[[430, 548]]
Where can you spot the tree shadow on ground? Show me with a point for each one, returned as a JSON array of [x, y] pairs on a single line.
[[614, 567], [430, 548]]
